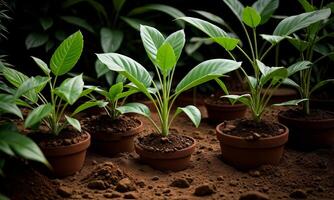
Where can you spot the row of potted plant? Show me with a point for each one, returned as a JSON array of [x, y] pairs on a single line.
[[244, 143]]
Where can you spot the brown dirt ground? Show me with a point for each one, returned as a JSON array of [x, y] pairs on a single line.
[[304, 174]]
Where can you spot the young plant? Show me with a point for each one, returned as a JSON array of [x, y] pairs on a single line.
[[164, 54], [309, 44], [265, 79], [51, 111]]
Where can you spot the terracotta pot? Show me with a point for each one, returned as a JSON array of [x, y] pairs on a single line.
[[174, 161], [245, 154], [112, 144], [222, 112], [309, 134], [66, 160]]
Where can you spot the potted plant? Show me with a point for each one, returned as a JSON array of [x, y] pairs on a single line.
[[310, 128], [248, 143], [161, 149], [113, 132], [64, 146]]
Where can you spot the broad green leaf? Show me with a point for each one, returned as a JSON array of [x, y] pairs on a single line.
[[78, 22], [307, 6], [300, 45], [34, 83], [118, 4], [298, 66], [126, 94], [37, 115], [74, 122], [294, 23], [166, 59], [34, 40], [23, 146], [70, 89], [192, 112], [5, 148], [88, 105], [44, 67], [206, 71], [177, 41], [67, 54], [252, 83], [211, 16], [111, 39], [273, 39], [9, 107], [115, 90], [46, 22], [138, 108], [152, 40], [17, 78], [100, 68], [213, 31], [294, 102], [226, 42], [236, 7], [290, 82], [135, 23], [128, 67], [321, 84], [271, 73], [251, 17], [265, 8], [245, 99], [169, 10], [222, 85]]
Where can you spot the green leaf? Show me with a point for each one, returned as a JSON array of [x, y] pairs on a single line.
[[300, 45], [206, 71], [128, 67], [265, 8], [245, 99], [169, 10], [138, 108], [236, 7], [222, 85], [100, 68], [2, 197], [88, 105], [298, 66], [34, 40], [321, 84], [273, 39], [251, 17], [67, 54], [211, 16], [294, 23], [34, 83], [37, 115], [152, 40], [78, 22], [118, 4], [177, 41], [5, 148], [294, 102], [135, 23], [271, 73], [10, 107], [289, 82], [23, 146], [307, 6], [74, 122], [228, 43], [252, 83], [166, 59], [192, 112], [115, 90], [71, 89], [44, 67], [46, 22], [111, 39]]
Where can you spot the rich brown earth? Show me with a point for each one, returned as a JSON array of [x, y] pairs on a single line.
[[300, 174]]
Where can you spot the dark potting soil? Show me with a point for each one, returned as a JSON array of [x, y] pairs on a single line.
[[250, 129], [158, 143], [66, 137], [103, 123], [315, 114]]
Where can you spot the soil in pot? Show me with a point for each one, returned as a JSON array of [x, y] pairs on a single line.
[[220, 109], [165, 153], [112, 137], [311, 131], [65, 152], [246, 144]]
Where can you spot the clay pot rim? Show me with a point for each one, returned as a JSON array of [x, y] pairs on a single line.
[[260, 143], [298, 120], [166, 155]]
